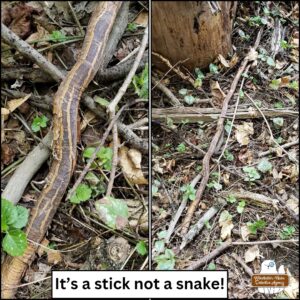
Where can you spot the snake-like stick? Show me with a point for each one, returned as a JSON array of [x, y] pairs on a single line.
[[65, 112]]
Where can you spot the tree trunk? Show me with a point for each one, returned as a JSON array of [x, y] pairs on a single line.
[[195, 30]]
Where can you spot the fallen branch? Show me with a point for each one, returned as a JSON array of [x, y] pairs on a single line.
[[173, 100], [242, 263], [253, 196], [204, 260], [273, 150], [178, 214], [195, 229], [215, 140], [196, 114]]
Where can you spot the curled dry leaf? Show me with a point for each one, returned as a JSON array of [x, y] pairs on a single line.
[[245, 233], [242, 133], [225, 221], [217, 93], [14, 104], [130, 162], [223, 61], [251, 254], [252, 56], [142, 19]]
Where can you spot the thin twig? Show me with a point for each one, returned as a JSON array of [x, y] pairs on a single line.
[[75, 18], [272, 150], [270, 131], [214, 142]]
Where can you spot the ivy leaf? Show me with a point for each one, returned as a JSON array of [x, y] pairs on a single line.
[[275, 84], [165, 261], [213, 69], [189, 99], [252, 173], [241, 206], [228, 155], [132, 27], [57, 36], [22, 218], [82, 193], [264, 165], [159, 246], [231, 199], [141, 248], [9, 214], [211, 267], [183, 92], [88, 152], [106, 154], [162, 234], [270, 61], [181, 148], [278, 122], [14, 242], [114, 212]]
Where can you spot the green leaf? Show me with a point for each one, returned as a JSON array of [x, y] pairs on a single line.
[[252, 173], [162, 234], [38, 123], [275, 84], [88, 152], [106, 154], [22, 219], [165, 261], [225, 216], [141, 248], [181, 148], [198, 83], [294, 85], [231, 199], [159, 246], [211, 267], [270, 61], [140, 83], [57, 36], [189, 192], [183, 92], [287, 232], [227, 126], [15, 242], [199, 73], [9, 214], [132, 27], [278, 122], [214, 184], [241, 94], [258, 225], [241, 206], [82, 193], [278, 105], [213, 69], [264, 165], [154, 190], [189, 99], [102, 101], [114, 212], [228, 155]]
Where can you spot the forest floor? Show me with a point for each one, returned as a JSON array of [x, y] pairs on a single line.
[[251, 195], [82, 236]]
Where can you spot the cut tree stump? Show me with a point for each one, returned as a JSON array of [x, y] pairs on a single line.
[[195, 30]]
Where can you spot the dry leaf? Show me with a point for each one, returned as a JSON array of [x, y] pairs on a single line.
[[54, 257], [292, 290], [226, 177], [242, 133], [246, 156], [293, 204], [130, 162], [223, 61], [142, 19], [252, 56], [43, 247], [225, 221], [14, 104], [217, 93], [87, 118], [251, 254], [233, 60], [245, 233], [226, 230]]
